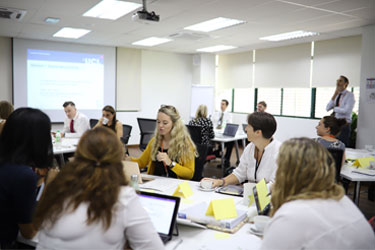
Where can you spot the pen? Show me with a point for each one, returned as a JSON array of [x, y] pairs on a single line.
[[178, 243]]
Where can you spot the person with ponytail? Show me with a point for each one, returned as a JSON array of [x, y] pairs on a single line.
[[171, 152], [329, 128], [89, 205], [309, 210]]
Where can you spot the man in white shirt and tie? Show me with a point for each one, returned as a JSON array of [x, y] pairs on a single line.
[[75, 123], [342, 103]]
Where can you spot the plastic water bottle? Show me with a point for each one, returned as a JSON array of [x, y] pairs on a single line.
[[134, 182], [58, 139]]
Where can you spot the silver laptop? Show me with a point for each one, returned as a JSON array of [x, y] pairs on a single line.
[[162, 210], [229, 131]]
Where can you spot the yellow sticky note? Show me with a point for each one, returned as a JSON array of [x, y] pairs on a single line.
[[220, 235], [222, 209], [363, 162], [251, 199], [263, 197], [187, 201], [183, 190]]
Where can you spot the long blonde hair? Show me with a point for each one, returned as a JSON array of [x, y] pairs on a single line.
[[201, 112], [306, 170], [181, 147]]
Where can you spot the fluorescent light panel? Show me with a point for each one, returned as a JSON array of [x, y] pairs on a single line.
[[214, 24], [52, 20], [111, 9], [289, 35], [216, 48], [74, 33], [152, 41]]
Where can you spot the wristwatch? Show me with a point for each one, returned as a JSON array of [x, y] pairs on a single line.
[[172, 164]]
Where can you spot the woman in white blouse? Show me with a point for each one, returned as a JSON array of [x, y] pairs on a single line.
[[309, 210], [90, 206], [258, 160]]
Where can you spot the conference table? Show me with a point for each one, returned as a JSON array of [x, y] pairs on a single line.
[[224, 139], [193, 237], [357, 178], [67, 145]]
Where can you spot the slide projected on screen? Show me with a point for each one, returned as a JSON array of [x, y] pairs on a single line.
[[56, 76]]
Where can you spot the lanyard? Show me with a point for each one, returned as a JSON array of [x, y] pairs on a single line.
[[165, 165], [257, 163]]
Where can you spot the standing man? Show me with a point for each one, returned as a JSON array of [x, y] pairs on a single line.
[[262, 106], [220, 119], [342, 103], [75, 123]]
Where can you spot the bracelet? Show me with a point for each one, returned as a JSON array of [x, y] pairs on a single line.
[[223, 182]]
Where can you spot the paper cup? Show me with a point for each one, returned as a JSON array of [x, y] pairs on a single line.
[[105, 121], [206, 184]]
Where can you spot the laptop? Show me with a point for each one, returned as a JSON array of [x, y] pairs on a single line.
[[229, 131], [162, 210], [130, 168]]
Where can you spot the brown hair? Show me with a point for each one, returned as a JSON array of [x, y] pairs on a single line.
[[305, 171], [263, 103], [264, 122], [95, 177], [6, 108], [111, 110], [66, 104], [334, 124]]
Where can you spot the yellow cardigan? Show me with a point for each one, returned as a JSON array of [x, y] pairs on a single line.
[[182, 172]]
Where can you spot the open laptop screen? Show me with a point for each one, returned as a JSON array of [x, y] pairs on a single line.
[[231, 129], [162, 210]]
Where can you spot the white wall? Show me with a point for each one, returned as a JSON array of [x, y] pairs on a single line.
[[366, 117], [6, 69]]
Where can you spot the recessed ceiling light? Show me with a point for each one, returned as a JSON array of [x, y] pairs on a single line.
[[152, 41], [289, 35], [71, 33], [111, 9], [52, 20], [216, 48], [214, 24]]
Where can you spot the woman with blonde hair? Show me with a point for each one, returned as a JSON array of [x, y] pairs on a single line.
[[109, 120], [310, 211], [201, 120], [171, 152], [90, 206]]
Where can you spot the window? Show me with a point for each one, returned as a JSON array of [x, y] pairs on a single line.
[[356, 98], [272, 96], [323, 95], [297, 101], [243, 100]]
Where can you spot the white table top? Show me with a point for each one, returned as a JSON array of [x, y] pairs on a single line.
[[68, 145], [239, 136]]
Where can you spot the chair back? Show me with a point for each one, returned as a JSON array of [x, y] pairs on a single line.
[[147, 128], [93, 122], [195, 133], [337, 155], [200, 161], [126, 130]]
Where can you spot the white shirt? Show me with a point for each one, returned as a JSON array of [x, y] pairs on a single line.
[[267, 167], [81, 124], [227, 118], [318, 224], [346, 105], [129, 222]]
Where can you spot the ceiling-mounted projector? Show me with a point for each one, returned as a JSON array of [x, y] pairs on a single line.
[[145, 16]]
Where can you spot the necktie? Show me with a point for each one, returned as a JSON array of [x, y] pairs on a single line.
[[220, 122], [72, 126], [338, 100]]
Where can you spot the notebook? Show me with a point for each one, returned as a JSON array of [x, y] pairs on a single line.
[[162, 210], [229, 131]]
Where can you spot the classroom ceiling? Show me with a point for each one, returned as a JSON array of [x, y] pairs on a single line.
[[331, 18]]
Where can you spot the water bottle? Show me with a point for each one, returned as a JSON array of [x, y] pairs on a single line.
[[58, 139], [134, 182]]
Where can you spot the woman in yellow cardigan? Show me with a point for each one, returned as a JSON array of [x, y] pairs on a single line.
[[171, 152]]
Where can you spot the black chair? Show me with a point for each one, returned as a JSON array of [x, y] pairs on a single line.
[[126, 130], [195, 133], [147, 128], [200, 161], [337, 155], [93, 122]]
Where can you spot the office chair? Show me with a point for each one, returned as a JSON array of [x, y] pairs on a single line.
[[147, 128], [337, 155], [200, 161], [93, 122], [195, 133], [126, 130]]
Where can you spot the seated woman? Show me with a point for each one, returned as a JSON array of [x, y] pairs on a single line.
[[328, 129], [171, 152], [204, 122], [309, 210], [89, 205], [24, 143], [258, 160], [109, 120], [6, 108]]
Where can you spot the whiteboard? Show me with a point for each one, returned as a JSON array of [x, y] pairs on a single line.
[[201, 94]]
